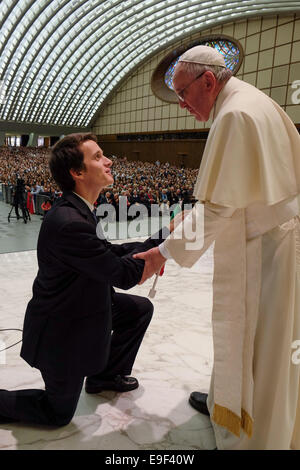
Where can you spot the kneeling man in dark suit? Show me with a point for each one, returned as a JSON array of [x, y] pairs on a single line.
[[75, 325]]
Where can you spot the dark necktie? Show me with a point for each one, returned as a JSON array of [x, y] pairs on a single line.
[[94, 215]]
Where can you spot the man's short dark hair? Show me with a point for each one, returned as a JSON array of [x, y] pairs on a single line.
[[66, 155]]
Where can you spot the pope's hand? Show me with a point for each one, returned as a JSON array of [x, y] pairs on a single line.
[[153, 262]]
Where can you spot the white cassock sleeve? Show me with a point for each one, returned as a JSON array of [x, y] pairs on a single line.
[[196, 233]]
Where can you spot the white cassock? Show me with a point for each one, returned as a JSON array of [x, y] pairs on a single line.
[[249, 186]]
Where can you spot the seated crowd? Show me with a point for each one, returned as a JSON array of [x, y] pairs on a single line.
[[139, 182]]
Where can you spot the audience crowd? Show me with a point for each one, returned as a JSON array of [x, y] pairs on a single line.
[[139, 182]]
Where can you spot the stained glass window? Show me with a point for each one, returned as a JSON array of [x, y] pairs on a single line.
[[170, 72], [228, 49]]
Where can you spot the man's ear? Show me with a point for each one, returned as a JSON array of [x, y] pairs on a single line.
[[76, 174]]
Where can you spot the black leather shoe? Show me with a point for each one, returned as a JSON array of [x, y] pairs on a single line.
[[198, 401], [119, 383]]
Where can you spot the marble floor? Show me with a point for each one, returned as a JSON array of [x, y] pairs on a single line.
[[15, 235], [175, 358]]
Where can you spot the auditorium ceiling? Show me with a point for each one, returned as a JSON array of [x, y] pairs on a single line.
[[61, 59]]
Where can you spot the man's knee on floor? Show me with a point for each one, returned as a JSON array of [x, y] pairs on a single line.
[[60, 416], [60, 421]]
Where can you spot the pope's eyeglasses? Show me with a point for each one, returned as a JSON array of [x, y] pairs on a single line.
[[180, 93]]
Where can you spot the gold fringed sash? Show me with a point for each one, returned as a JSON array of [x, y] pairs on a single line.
[[247, 423], [226, 418], [229, 324]]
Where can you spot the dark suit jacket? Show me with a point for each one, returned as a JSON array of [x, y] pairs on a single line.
[[67, 326]]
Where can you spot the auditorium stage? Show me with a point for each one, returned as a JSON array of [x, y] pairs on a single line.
[[175, 359]]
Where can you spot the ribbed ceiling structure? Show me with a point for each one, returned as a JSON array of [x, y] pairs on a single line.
[[60, 59]]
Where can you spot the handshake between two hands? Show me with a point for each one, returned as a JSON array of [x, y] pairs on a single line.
[[153, 258]]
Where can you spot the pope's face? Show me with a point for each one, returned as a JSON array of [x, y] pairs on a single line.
[[197, 94], [97, 173]]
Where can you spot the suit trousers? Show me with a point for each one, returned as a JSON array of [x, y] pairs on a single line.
[[57, 404]]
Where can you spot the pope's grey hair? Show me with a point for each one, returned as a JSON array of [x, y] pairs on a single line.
[[222, 74]]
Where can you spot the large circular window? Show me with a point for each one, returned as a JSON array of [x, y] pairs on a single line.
[[161, 81]]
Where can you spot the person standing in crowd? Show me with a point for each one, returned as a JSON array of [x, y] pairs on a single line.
[[172, 196], [248, 191], [75, 324], [19, 198], [134, 199]]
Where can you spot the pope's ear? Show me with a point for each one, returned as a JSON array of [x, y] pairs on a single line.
[[210, 79]]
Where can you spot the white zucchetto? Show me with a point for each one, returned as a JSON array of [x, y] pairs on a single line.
[[204, 55]]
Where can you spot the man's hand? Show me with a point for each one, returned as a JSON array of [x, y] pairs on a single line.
[[153, 262]]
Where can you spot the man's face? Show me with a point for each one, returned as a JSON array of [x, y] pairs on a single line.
[[97, 173], [198, 94]]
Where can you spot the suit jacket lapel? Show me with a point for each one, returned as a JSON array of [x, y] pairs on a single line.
[[80, 205]]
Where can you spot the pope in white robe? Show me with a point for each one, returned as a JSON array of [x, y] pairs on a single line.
[[248, 204]]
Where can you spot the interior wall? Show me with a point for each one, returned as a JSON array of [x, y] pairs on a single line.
[[186, 153], [271, 62]]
